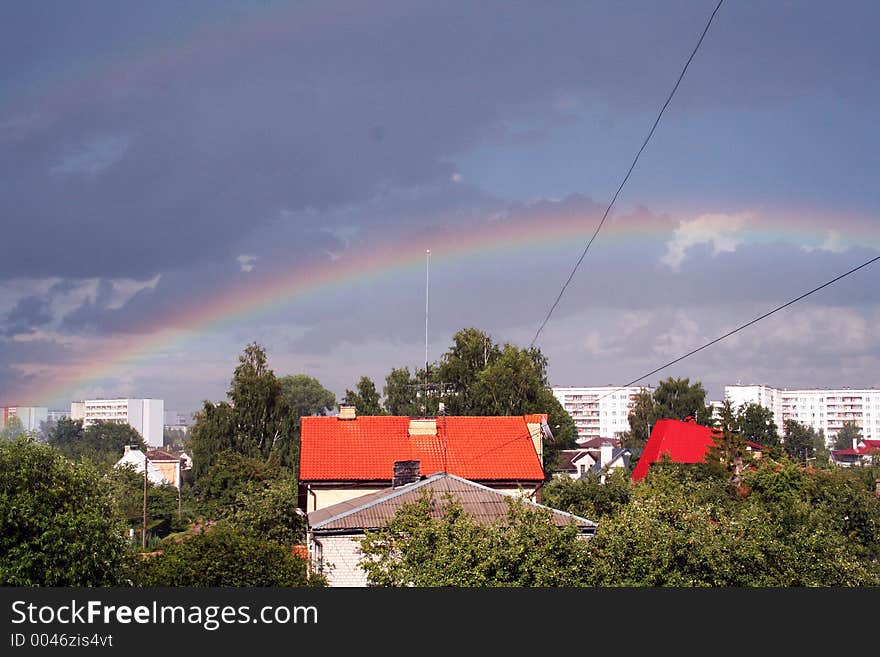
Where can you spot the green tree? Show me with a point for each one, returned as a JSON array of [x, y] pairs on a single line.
[[472, 351], [526, 549], [401, 393], [588, 496], [164, 514], [679, 399], [365, 398], [756, 423], [683, 529], [12, 429], [102, 442], [305, 396], [263, 423], [230, 475], [511, 384], [641, 418], [800, 441], [223, 556], [57, 523], [269, 511], [849, 432], [257, 426]]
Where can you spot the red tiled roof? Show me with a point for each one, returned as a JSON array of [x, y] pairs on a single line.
[[684, 442], [365, 448], [536, 418]]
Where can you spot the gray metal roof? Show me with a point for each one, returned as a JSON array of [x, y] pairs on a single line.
[[375, 510]]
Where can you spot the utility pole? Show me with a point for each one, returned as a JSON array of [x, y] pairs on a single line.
[[144, 528]]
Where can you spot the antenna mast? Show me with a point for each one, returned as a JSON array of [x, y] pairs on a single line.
[[427, 274]]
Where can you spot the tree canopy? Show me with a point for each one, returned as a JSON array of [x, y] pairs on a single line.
[[57, 524], [102, 442], [526, 549], [849, 433]]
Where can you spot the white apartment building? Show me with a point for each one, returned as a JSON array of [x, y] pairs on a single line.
[[145, 415], [598, 411], [31, 417], [819, 408]]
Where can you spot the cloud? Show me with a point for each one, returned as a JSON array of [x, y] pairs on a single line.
[[832, 243], [721, 231], [97, 155], [246, 262]]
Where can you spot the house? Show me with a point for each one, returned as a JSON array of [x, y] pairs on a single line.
[[602, 454], [346, 456], [863, 452], [682, 442], [134, 458], [162, 467], [334, 531]]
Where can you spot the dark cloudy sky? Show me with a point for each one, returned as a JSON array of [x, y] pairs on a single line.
[[156, 158]]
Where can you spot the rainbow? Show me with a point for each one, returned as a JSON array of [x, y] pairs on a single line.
[[548, 227]]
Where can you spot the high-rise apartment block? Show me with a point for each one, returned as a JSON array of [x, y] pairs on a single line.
[[31, 417], [145, 415], [819, 408], [598, 411]]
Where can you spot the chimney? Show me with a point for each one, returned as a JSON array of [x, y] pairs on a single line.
[[605, 451], [127, 449], [405, 472], [347, 412], [423, 426]]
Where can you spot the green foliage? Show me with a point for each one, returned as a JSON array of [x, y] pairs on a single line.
[[305, 396], [801, 442], [222, 556], [401, 393], [12, 429], [231, 475], [57, 523], [849, 432], [365, 398], [511, 384], [784, 526], [472, 351], [102, 442], [127, 492], [268, 510], [755, 422], [263, 421], [250, 438], [587, 496], [641, 421], [527, 549], [679, 399]]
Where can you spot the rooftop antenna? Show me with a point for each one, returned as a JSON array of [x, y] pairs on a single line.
[[427, 274]]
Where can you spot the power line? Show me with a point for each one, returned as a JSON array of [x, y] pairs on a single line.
[[746, 325], [626, 177]]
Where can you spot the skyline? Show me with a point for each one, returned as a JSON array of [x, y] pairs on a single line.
[[180, 180]]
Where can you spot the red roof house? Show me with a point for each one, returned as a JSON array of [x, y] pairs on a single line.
[[345, 456], [683, 442]]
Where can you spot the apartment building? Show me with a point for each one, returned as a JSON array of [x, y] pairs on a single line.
[[31, 417], [145, 415], [598, 411], [820, 408]]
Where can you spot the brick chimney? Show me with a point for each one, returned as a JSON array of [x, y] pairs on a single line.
[[405, 472], [423, 426]]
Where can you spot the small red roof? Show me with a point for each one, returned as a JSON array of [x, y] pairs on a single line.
[[365, 448], [683, 442]]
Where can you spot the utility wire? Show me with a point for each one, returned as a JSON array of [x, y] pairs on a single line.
[[746, 325], [626, 177]]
